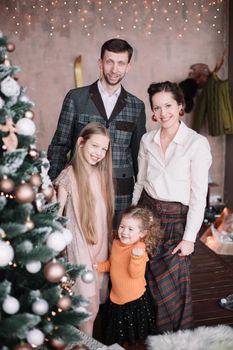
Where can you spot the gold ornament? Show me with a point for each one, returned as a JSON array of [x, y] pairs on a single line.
[[33, 153], [7, 62], [24, 193], [30, 224], [57, 344], [10, 141], [10, 47], [7, 185], [29, 114], [67, 283], [35, 180], [48, 192], [64, 302], [54, 271], [78, 71], [2, 233]]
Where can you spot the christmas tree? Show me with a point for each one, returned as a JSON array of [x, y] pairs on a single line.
[[37, 307]]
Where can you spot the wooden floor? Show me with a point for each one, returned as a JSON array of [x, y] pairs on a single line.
[[212, 279]]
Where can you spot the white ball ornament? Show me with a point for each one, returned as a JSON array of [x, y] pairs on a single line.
[[33, 266], [26, 127], [35, 337], [10, 305], [67, 234], [56, 241], [6, 253], [40, 307], [87, 276]]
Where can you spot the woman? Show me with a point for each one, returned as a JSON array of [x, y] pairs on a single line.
[[173, 180], [85, 194]]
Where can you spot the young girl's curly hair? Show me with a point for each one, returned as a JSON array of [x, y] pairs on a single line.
[[149, 223]]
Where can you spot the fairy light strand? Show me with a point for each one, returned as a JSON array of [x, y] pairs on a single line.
[[147, 17]]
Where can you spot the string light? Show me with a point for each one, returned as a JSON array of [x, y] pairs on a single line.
[[173, 16]]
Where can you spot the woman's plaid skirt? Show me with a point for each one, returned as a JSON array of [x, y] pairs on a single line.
[[169, 275]]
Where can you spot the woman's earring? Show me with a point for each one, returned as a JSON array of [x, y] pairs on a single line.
[[153, 118], [181, 112]]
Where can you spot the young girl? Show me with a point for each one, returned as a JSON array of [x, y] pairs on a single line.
[[130, 312], [85, 194]]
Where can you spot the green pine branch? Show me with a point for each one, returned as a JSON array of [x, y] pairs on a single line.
[[17, 326]]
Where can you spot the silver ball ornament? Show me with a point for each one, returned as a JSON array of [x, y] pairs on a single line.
[[40, 307], [56, 241], [6, 253], [87, 276], [33, 266], [10, 305], [25, 126], [29, 114], [35, 337]]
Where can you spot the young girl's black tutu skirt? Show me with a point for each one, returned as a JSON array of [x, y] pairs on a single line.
[[131, 322]]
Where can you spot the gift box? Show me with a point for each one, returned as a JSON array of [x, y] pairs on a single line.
[[219, 236]]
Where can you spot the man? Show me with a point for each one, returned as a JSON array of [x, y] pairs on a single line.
[[107, 102]]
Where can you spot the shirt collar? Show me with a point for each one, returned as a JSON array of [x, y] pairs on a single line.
[[180, 136], [104, 92]]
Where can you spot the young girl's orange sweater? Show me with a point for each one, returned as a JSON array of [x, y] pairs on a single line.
[[127, 272]]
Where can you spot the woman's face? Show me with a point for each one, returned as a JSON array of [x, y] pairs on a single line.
[[166, 109], [94, 149]]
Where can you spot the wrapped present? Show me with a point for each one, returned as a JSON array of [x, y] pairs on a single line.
[[219, 236]]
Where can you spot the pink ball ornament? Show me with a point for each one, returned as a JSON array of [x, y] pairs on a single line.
[[24, 193], [54, 271]]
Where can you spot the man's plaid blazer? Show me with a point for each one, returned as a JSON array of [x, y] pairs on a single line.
[[126, 126]]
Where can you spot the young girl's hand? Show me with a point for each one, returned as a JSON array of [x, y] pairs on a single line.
[[138, 251], [95, 266]]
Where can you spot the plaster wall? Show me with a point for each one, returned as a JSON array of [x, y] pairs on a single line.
[[47, 62]]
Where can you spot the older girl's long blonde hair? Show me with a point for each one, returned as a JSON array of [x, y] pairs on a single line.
[[86, 198]]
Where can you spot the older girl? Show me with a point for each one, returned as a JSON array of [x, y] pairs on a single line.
[[85, 194]]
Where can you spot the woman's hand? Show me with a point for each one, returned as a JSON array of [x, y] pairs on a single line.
[[184, 248]]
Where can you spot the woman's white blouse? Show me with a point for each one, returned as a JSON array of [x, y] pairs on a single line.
[[179, 175]]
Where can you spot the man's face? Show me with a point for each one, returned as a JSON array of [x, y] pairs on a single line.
[[114, 66]]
